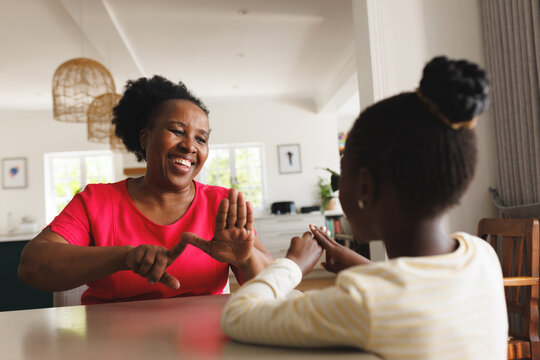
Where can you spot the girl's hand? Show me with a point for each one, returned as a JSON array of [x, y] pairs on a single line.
[[338, 257], [304, 251]]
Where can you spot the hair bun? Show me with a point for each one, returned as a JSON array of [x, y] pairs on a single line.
[[458, 87]]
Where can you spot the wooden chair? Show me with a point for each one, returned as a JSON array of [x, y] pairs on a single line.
[[517, 244]]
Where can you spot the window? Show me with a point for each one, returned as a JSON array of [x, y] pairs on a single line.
[[237, 166], [68, 173]]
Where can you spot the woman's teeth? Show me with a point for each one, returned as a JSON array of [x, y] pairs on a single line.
[[182, 162]]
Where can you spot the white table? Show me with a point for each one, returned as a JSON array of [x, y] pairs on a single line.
[[179, 328]]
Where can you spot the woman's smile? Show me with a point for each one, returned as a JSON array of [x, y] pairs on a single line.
[[181, 164]]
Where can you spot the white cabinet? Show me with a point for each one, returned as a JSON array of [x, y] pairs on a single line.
[[276, 231]]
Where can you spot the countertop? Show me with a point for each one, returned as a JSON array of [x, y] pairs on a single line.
[[17, 236], [284, 216]]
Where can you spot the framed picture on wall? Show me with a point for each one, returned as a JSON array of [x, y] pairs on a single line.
[[289, 159], [14, 173]]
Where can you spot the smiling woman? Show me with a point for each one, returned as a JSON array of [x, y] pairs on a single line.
[[123, 239]]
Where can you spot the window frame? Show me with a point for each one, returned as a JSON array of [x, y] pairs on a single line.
[[201, 177], [50, 204]]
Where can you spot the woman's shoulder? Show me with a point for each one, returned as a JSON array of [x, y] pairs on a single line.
[[99, 190], [211, 191]]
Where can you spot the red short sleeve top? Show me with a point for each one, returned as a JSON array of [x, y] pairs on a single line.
[[105, 215]]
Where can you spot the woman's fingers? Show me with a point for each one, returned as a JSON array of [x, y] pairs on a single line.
[[198, 242], [233, 201], [158, 269], [135, 257], [170, 281], [249, 216], [147, 261], [221, 217], [241, 217], [179, 248]]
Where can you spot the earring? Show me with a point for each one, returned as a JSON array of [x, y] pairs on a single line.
[[361, 204]]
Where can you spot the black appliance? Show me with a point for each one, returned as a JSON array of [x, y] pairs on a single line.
[[309, 209], [283, 207]]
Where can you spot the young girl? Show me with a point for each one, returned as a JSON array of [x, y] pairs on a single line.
[[407, 160]]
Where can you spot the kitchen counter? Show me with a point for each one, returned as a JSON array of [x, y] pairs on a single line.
[[17, 236], [328, 213]]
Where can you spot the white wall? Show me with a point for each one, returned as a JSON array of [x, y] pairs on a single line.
[[408, 34], [455, 28], [272, 122], [31, 134]]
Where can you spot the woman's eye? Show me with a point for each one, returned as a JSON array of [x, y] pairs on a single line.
[[201, 140], [176, 132]]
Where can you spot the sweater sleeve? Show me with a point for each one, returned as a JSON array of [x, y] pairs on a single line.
[[261, 312]]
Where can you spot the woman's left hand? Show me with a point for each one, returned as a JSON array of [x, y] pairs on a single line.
[[234, 235]]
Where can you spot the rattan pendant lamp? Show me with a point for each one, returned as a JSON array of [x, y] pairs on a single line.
[[115, 142], [76, 83], [100, 115]]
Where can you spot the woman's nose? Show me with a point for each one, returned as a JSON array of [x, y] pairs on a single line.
[[188, 144]]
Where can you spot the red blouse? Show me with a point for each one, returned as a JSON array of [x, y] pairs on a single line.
[[105, 215]]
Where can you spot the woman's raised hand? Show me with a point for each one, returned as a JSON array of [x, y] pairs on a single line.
[[304, 251], [234, 236], [338, 257]]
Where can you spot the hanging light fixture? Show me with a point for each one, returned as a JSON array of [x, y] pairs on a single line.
[[100, 115], [75, 85], [100, 126], [115, 142]]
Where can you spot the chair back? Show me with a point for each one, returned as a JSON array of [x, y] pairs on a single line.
[[517, 243]]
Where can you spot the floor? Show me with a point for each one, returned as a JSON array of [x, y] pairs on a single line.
[[306, 284]]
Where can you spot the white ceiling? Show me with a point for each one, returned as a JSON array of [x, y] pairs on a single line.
[[219, 48]]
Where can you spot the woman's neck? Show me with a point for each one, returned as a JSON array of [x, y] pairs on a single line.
[[417, 237], [161, 206], [160, 194]]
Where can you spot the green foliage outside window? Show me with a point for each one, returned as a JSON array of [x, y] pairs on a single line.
[[237, 167], [68, 177]]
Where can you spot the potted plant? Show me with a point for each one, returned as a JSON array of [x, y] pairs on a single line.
[[326, 195], [334, 179]]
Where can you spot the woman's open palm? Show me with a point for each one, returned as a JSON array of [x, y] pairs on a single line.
[[234, 235]]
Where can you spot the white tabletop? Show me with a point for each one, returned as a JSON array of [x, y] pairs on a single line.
[[179, 328]]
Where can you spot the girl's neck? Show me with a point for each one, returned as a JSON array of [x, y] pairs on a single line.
[[417, 237]]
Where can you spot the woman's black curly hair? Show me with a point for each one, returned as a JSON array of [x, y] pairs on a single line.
[[401, 141], [141, 100]]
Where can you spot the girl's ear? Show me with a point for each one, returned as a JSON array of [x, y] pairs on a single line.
[[366, 187], [143, 138]]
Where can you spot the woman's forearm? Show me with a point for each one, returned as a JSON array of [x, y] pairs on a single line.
[[57, 266]]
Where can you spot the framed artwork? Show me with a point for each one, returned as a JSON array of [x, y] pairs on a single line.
[[342, 138], [14, 173], [289, 159]]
